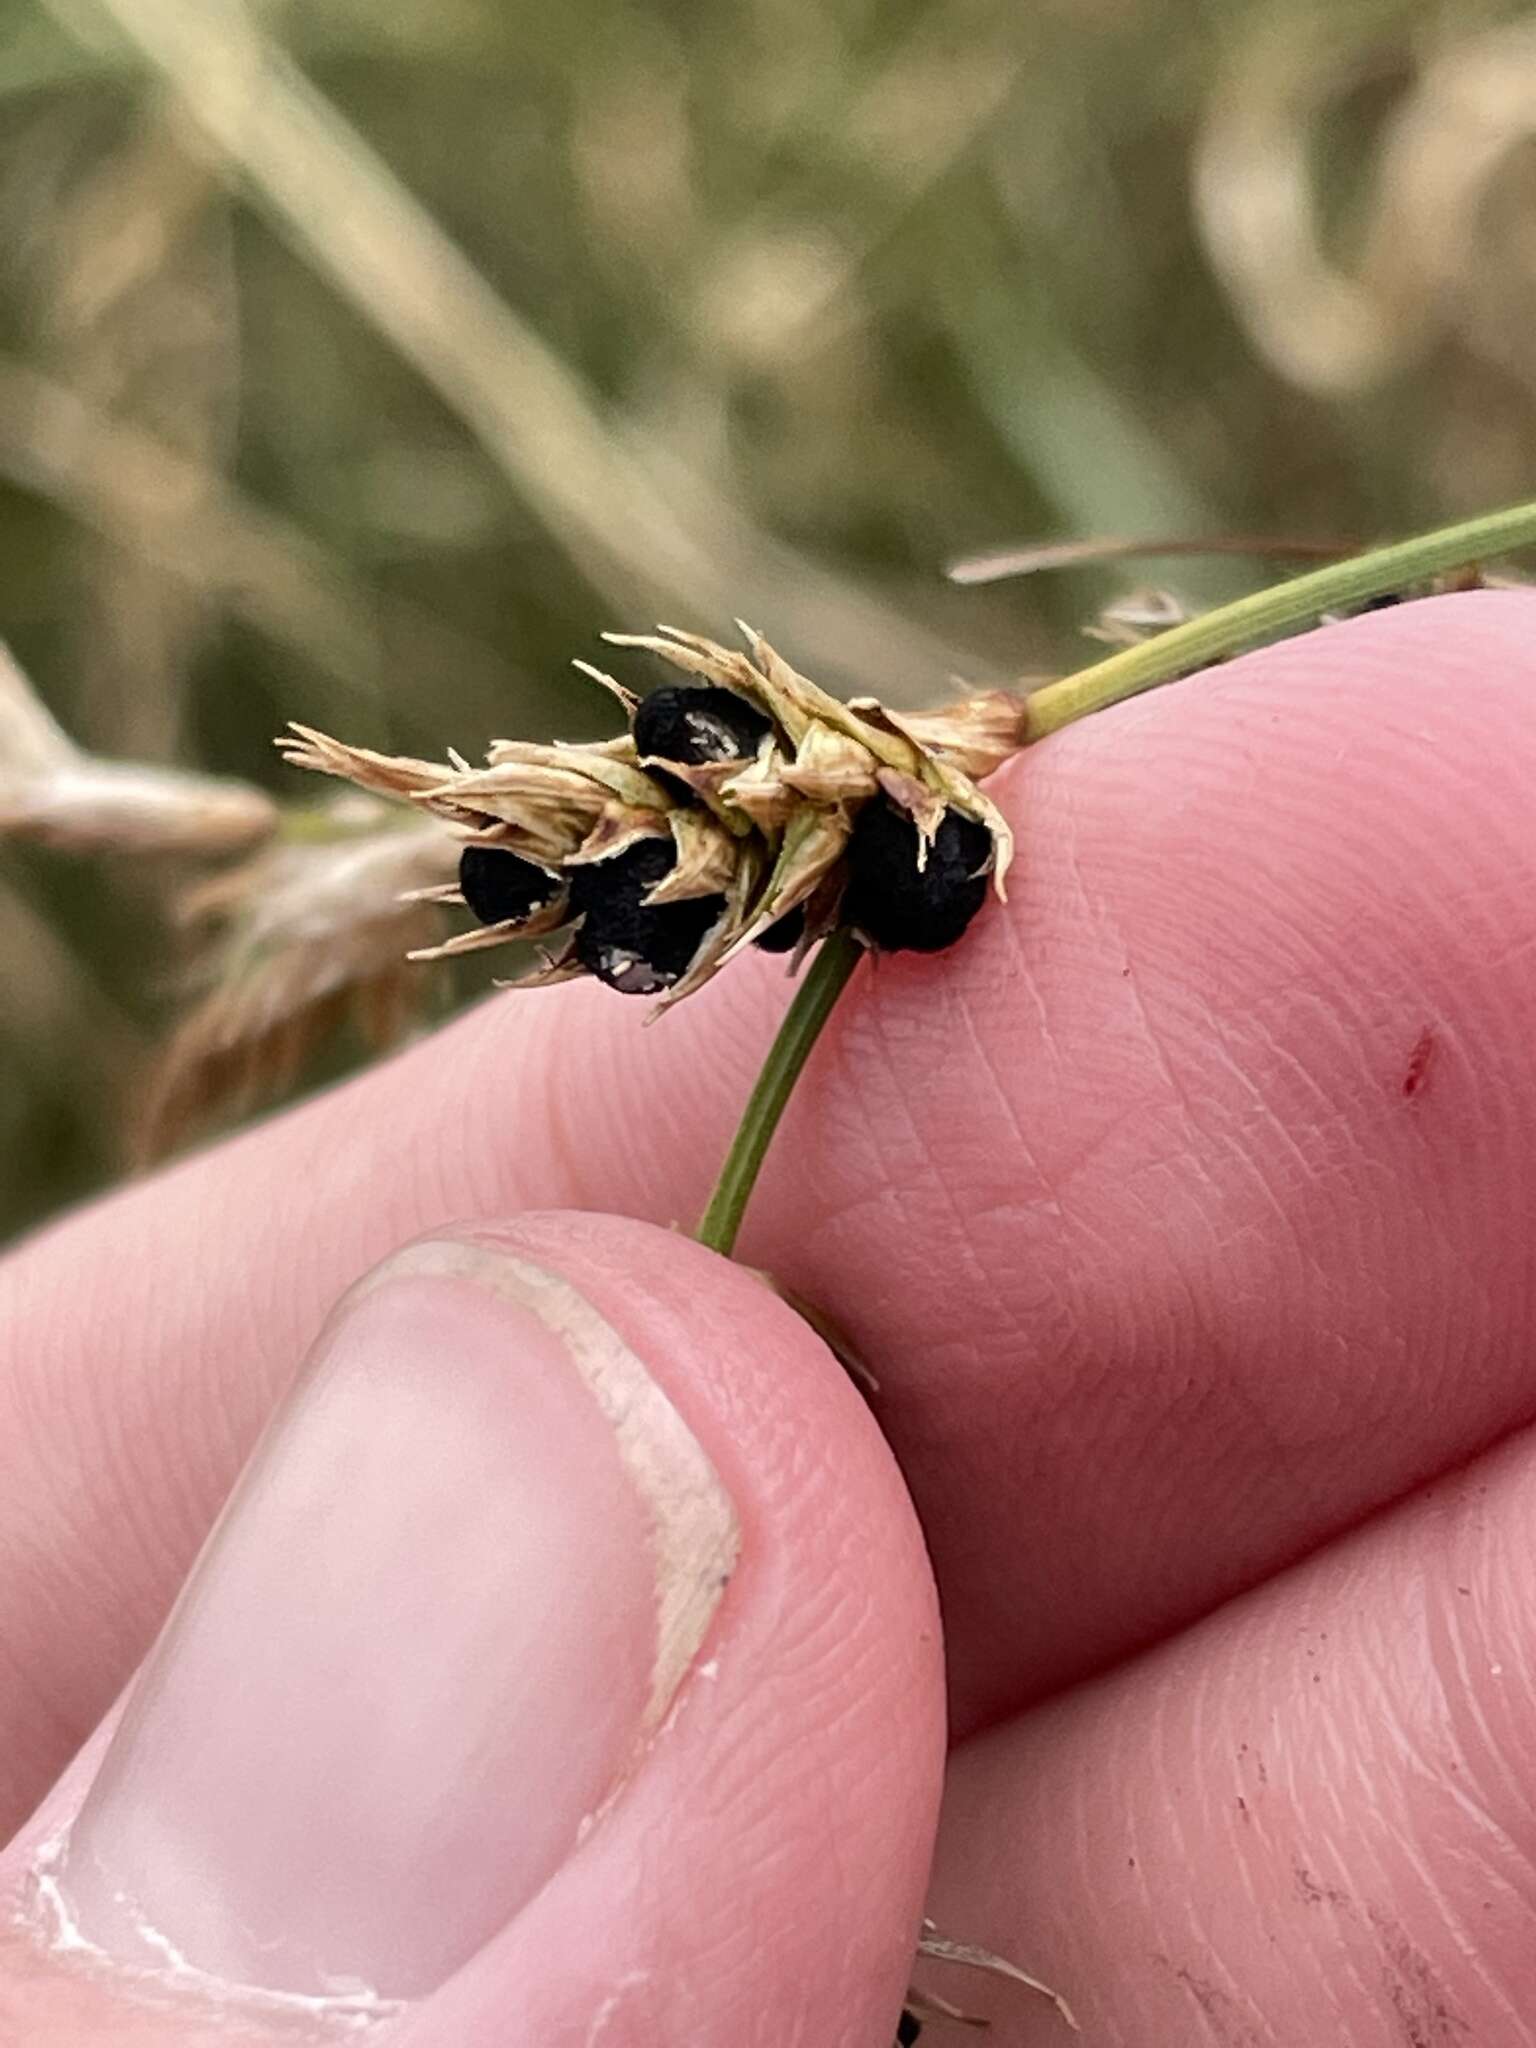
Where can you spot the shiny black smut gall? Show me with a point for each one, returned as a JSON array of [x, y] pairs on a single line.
[[691, 724], [498, 884], [908, 2029], [902, 907], [636, 947]]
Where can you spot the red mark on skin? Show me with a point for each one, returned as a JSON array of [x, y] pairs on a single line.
[[1418, 1063]]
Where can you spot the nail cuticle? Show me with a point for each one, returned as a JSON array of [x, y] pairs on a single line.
[[164, 1981]]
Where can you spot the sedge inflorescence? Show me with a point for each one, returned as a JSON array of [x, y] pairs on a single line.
[[743, 806]]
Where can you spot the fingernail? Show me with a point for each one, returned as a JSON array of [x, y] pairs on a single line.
[[456, 1589]]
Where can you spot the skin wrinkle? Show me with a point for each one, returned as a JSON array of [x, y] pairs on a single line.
[[208, 1440], [1101, 1142], [1179, 1296], [1088, 914], [1270, 1125], [1485, 1875], [870, 1108], [1509, 956], [1153, 1038], [1153, 1041], [1271, 1128], [1220, 2005], [1417, 1996], [446, 1189], [998, 1321], [522, 1120], [1480, 1284], [1033, 1052], [23, 1682], [1064, 1181], [1477, 1861], [1373, 1727], [925, 1176], [1023, 977], [723, 1942], [1419, 1730], [988, 1067], [1317, 1278], [1474, 1752], [559, 1133], [1237, 1824], [61, 1506]]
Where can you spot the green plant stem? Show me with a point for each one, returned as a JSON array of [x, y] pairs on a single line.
[[1226, 630], [824, 981], [1267, 613]]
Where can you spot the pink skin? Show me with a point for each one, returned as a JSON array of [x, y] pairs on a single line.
[[1185, 1214], [816, 1820]]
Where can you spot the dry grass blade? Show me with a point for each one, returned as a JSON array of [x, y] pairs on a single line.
[[388, 775], [33, 744], [1138, 615], [149, 499], [927, 2005], [312, 937], [930, 105], [1032, 558], [131, 272], [939, 1948], [617, 498], [57, 1001], [1472, 107], [51, 791]]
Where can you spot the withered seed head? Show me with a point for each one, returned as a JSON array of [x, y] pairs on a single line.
[[743, 806]]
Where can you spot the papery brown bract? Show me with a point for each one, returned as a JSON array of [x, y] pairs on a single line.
[[764, 832]]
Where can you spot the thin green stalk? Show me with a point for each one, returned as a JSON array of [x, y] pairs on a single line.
[[1226, 630], [824, 982], [1282, 608]]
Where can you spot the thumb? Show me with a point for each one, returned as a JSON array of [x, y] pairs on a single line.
[[565, 1663]]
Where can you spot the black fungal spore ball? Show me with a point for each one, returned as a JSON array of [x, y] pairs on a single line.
[[691, 724], [900, 906], [498, 884], [636, 947], [785, 933], [908, 2029]]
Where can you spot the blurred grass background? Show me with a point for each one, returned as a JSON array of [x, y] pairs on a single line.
[[358, 361]]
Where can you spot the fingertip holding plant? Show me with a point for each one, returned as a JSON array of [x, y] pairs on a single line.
[[749, 807], [746, 806]]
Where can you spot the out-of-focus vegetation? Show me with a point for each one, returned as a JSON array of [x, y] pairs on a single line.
[[359, 361]]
